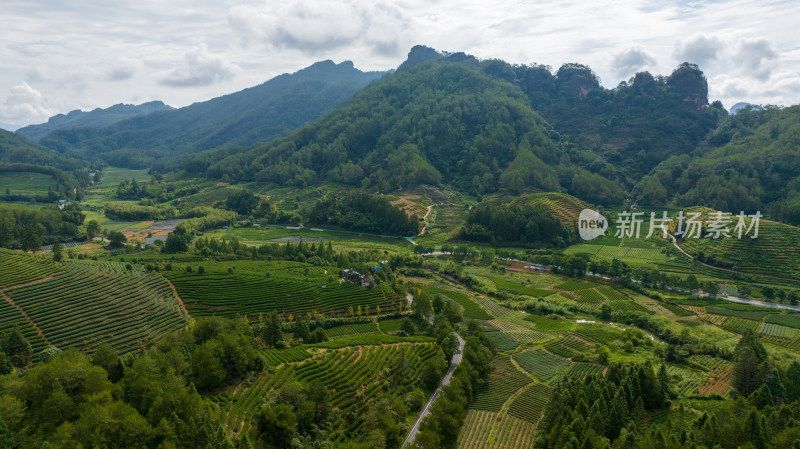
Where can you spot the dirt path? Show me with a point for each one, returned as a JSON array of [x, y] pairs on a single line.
[[34, 282], [178, 297], [22, 311], [425, 218]]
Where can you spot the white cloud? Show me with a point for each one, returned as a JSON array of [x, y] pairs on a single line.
[[632, 60], [123, 69], [315, 27], [201, 68], [24, 105], [755, 58], [699, 49]]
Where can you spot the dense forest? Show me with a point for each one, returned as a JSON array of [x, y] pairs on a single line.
[[749, 163], [610, 410], [439, 122], [512, 225], [359, 210], [28, 228]]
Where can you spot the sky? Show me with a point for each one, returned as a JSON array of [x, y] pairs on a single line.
[[57, 56]]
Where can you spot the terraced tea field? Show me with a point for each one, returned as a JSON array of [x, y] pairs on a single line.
[[250, 295], [18, 268], [88, 304], [541, 363], [355, 376]]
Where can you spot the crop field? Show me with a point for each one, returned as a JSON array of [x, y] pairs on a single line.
[[776, 251], [343, 372], [513, 433], [598, 333], [390, 326], [18, 268], [88, 304], [612, 293], [709, 363], [739, 325], [26, 183], [493, 307], [352, 329], [748, 314], [250, 295], [628, 306], [275, 357], [784, 320], [475, 431], [591, 296], [472, 310], [581, 370], [530, 404], [11, 317], [547, 324], [719, 382], [573, 285], [778, 331], [569, 345], [541, 363], [677, 310], [504, 381], [519, 288]]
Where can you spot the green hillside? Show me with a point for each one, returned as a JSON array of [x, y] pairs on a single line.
[[437, 122], [750, 163]]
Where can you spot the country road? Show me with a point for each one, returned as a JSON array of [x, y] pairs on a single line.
[[412, 434]]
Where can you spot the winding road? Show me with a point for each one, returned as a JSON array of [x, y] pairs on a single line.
[[412, 434]]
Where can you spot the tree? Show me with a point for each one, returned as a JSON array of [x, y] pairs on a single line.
[[207, 369], [106, 357], [750, 368], [276, 425], [92, 229], [58, 254], [117, 239], [17, 348]]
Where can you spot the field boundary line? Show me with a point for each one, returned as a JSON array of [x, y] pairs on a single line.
[[22, 311]]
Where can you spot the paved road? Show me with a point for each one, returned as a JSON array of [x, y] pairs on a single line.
[[412, 435]]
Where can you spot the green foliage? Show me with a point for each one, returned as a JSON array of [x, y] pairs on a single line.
[[749, 163], [28, 228], [511, 225], [359, 210]]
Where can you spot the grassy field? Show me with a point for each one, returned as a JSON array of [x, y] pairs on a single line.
[[26, 183]]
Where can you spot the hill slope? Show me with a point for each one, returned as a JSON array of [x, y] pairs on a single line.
[[96, 118], [252, 115], [750, 163], [436, 122]]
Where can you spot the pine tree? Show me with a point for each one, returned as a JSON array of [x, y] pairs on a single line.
[[58, 254]]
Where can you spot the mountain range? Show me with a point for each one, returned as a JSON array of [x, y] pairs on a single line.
[[96, 118], [480, 126], [253, 115]]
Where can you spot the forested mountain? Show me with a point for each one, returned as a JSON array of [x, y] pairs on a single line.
[[96, 118], [253, 115], [633, 126], [17, 149], [442, 121], [749, 163]]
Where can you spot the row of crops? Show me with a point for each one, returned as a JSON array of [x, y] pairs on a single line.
[[471, 308], [354, 375], [504, 381], [85, 305], [19, 268], [233, 295]]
